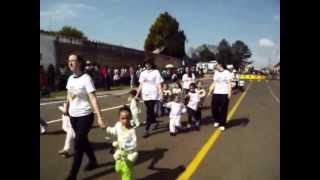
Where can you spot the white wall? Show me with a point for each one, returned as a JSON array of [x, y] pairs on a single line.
[[47, 49]]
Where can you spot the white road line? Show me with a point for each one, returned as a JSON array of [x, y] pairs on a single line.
[[107, 109], [57, 102], [272, 93]]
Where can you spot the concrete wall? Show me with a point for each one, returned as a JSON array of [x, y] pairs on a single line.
[[56, 50], [47, 50]]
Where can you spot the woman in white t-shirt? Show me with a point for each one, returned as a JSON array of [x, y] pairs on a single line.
[[81, 92], [150, 87], [221, 88], [187, 79]]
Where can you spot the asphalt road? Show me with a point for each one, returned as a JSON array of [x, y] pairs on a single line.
[[250, 149]]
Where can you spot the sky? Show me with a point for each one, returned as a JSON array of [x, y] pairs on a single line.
[[127, 22]]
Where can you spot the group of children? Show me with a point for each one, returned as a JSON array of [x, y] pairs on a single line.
[[173, 102]]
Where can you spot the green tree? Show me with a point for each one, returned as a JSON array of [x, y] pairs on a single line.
[[165, 33], [71, 32], [225, 54], [206, 54], [241, 53]]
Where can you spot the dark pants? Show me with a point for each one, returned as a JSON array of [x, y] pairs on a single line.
[[194, 114], [219, 108], [185, 91], [151, 117], [81, 126]]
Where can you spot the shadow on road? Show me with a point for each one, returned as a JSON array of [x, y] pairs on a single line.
[[164, 173], [155, 155], [238, 122]]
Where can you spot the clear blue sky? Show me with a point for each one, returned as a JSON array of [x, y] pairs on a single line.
[[127, 22]]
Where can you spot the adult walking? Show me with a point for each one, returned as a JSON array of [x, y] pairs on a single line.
[[150, 87], [187, 79], [81, 92], [221, 88]]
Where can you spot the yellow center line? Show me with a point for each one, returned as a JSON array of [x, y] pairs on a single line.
[[193, 165]]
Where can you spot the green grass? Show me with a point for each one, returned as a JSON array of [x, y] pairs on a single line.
[[63, 93]]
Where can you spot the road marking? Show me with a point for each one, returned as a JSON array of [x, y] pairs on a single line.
[[57, 102], [193, 165], [107, 109], [272, 93]]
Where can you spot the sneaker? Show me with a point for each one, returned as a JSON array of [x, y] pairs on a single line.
[[43, 129], [216, 124], [144, 122], [62, 151], [173, 133], [222, 128], [189, 126], [90, 166]]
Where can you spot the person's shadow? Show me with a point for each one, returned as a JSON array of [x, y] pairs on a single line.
[[156, 155], [165, 173]]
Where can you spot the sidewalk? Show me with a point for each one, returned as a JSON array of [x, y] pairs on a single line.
[[101, 93]]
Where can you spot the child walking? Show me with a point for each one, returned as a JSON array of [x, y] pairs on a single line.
[[67, 127], [166, 98], [176, 109], [193, 100], [202, 94], [134, 108], [126, 144]]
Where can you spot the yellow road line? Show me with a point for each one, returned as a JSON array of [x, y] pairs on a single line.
[[193, 165]]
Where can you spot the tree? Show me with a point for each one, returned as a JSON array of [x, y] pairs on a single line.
[[71, 32], [165, 33], [225, 55], [241, 52], [206, 54]]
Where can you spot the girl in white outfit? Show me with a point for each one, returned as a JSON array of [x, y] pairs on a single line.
[[126, 144], [177, 108], [193, 107], [70, 134], [135, 110]]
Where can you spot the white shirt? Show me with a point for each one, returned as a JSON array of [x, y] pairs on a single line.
[[193, 101], [176, 109], [126, 138], [187, 80], [150, 79], [79, 88], [221, 80]]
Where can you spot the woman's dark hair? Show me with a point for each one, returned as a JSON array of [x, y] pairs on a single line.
[[193, 85], [125, 108], [133, 92], [190, 72], [223, 65], [149, 60], [81, 61]]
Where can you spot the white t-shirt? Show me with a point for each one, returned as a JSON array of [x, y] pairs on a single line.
[[79, 88], [176, 109], [127, 138], [187, 81], [221, 80], [150, 79], [193, 101]]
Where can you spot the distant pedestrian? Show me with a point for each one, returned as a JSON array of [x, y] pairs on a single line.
[[193, 100], [187, 79], [176, 109]]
